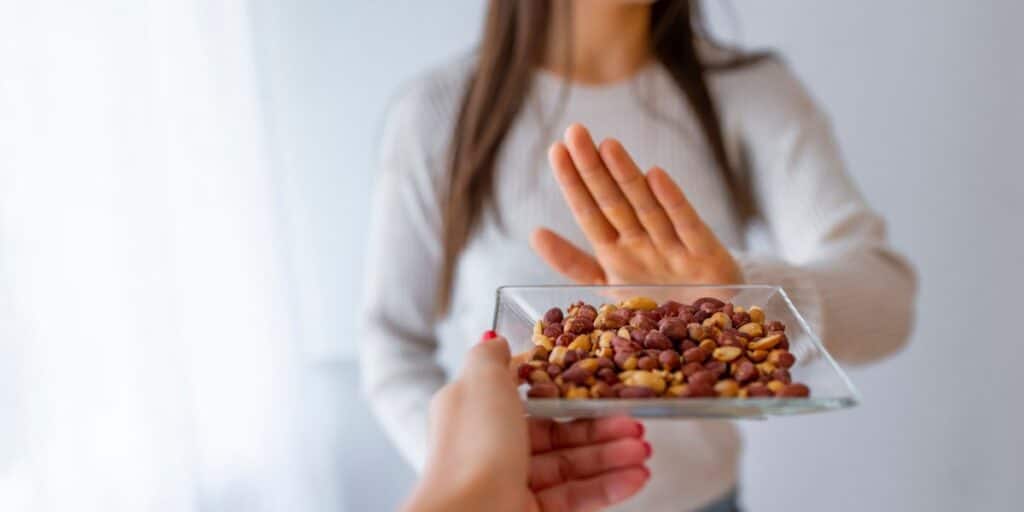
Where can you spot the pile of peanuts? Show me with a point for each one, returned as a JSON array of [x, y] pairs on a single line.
[[640, 349]]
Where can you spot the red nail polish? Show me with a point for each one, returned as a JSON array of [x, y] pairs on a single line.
[[640, 429], [646, 470], [647, 449], [489, 335]]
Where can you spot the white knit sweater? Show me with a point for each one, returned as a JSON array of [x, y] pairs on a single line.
[[819, 239]]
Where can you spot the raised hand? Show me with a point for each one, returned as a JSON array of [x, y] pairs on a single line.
[[641, 227]]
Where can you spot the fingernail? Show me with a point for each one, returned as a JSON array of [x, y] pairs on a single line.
[[639, 429], [647, 449], [489, 335], [647, 471]]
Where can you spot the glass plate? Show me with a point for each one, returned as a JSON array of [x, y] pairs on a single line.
[[519, 307]]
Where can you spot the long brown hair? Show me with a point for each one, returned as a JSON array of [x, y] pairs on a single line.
[[512, 47]]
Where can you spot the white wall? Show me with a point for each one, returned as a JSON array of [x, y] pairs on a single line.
[[926, 101]]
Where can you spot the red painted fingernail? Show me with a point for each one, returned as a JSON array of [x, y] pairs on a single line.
[[647, 449], [646, 470], [489, 335], [640, 429]]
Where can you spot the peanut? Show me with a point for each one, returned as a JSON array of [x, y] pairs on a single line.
[[657, 340], [558, 355], [577, 393], [765, 368], [539, 353], [576, 375], [781, 358], [601, 389], [645, 379], [726, 354], [543, 390], [692, 368], [543, 341], [676, 390], [720, 320], [695, 355], [673, 328], [699, 390], [582, 342], [716, 367], [642, 321], [579, 325], [757, 355], [553, 315], [758, 390], [744, 371], [782, 375], [756, 314], [639, 303], [710, 301], [608, 375], [536, 376], [765, 343], [740, 318], [669, 360], [630, 363], [524, 370], [795, 390], [695, 331], [553, 370], [647, 363], [752, 329], [727, 388], [702, 378], [708, 345], [636, 392], [775, 386]]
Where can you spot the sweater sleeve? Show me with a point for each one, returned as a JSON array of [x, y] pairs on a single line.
[[832, 254], [398, 368]]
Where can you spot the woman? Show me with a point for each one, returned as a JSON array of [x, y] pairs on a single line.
[[464, 204]]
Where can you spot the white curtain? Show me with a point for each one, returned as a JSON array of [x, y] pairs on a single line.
[[146, 356]]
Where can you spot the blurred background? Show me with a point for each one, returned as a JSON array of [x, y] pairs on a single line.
[[183, 201]]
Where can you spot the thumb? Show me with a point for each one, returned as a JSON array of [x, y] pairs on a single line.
[[567, 259], [489, 355]]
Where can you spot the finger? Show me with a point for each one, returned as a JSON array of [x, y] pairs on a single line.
[[588, 215], [562, 466], [490, 356], [547, 435], [566, 258], [632, 183], [599, 182], [691, 229], [594, 493]]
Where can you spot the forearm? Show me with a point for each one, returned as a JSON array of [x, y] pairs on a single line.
[[859, 301], [438, 493]]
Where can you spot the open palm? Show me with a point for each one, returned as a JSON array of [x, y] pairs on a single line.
[[642, 228]]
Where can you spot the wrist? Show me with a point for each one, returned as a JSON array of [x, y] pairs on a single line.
[[440, 493]]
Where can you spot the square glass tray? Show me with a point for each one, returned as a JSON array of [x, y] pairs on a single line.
[[519, 307]]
